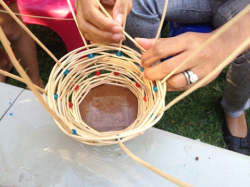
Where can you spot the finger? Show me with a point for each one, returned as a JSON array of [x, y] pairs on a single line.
[[177, 82], [97, 35], [171, 89], [87, 37], [97, 18], [161, 70], [103, 37], [145, 43], [180, 82], [118, 10], [94, 16], [163, 48], [178, 79]]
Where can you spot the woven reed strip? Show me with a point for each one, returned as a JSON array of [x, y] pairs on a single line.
[[21, 80], [40, 17], [157, 171], [124, 21], [162, 20], [28, 31], [11, 55]]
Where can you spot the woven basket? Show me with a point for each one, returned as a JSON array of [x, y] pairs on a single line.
[[81, 70]]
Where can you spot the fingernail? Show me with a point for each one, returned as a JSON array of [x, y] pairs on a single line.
[[117, 36], [119, 18], [117, 29]]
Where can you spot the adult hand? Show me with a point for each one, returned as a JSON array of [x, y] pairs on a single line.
[[95, 26], [180, 48]]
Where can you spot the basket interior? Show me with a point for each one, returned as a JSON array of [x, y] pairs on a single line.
[[82, 70]]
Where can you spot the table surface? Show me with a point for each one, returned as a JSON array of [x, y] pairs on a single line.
[[34, 152]]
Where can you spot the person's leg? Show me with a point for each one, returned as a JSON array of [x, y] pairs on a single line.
[[236, 96], [22, 44], [235, 101], [144, 18], [5, 65]]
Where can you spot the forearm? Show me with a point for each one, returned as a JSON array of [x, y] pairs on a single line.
[[234, 37]]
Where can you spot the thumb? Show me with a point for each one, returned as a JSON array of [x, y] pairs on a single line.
[[145, 42], [118, 10]]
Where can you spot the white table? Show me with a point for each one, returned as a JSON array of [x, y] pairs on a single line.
[[34, 152]]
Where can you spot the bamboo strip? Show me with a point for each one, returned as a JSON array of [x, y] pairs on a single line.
[[162, 20], [150, 167], [124, 21], [74, 16], [5, 73]]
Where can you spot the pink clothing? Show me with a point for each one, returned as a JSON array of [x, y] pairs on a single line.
[[8, 2]]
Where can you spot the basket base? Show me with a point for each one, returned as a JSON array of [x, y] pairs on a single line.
[[109, 108]]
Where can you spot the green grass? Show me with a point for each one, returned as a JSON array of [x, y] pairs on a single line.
[[198, 116]]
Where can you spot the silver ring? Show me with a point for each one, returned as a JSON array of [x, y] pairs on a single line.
[[187, 77], [190, 76]]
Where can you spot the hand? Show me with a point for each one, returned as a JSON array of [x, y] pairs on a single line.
[[179, 48], [95, 26]]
